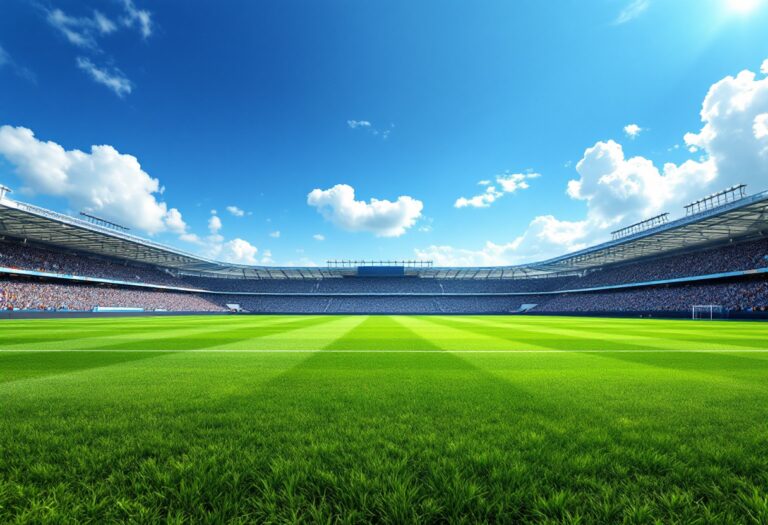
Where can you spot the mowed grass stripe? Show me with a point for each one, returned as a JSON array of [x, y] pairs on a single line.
[[155, 336], [381, 333], [452, 336], [314, 336], [389, 427], [603, 335], [552, 339]]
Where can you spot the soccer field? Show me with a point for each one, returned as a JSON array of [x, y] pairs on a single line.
[[391, 419]]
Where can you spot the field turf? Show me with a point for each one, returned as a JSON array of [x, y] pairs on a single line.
[[349, 419]]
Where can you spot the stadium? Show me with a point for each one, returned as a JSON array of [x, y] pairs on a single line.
[[712, 262], [334, 262], [385, 391]]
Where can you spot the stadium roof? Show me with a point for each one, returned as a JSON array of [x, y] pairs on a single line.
[[742, 218]]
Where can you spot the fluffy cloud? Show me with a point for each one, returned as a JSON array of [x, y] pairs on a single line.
[[112, 78], [760, 127], [214, 224], [234, 210], [733, 148], [545, 237], [318, 237], [507, 183], [620, 190], [238, 251], [103, 181], [381, 217], [632, 130], [764, 67], [733, 137], [483, 200]]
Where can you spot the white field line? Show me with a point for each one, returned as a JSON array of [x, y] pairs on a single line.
[[246, 351]]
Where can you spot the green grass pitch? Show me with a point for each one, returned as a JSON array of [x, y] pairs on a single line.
[[388, 419]]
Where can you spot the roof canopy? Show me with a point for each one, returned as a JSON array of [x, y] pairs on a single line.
[[739, 219]]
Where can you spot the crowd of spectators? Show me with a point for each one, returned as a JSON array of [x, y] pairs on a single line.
[[392, 285], [374, 305], [742, 296], [23, 294], [26, 257], [744, 256]]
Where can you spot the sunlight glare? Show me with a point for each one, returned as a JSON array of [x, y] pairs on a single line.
[[743, 6]]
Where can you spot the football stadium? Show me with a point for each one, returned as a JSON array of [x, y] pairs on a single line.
[[621, 383], [391, 262], [710, 263]]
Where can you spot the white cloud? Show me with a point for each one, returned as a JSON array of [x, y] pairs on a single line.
[[103, 24], [545, 237], [83, 31], [358, 124], [318, 237], [103, 181], [764, 67], [78, 31], [214, 224], [618, 191], [139, 17], [507, 183], [302, 262], [381, 217], [238, 251], [365, 124], [191, 237], [483, 200], [275, 234], [632, 130], [234, 210], [760, 127], [174, 222], [631, 11], [113, 78], [732, 135]]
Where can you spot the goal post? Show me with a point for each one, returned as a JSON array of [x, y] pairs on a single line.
[[706, 311]]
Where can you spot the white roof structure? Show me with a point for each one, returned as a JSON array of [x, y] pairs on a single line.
[[742, 218]]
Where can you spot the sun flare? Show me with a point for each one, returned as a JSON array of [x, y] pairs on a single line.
[[743, 6]]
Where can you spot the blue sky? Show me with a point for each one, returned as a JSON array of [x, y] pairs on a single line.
[[256, 104]]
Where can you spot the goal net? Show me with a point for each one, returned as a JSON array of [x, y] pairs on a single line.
[[706, 311]]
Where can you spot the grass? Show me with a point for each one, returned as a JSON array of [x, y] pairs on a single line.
[[346, 419]]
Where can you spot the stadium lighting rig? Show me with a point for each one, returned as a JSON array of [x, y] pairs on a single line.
[[641, 226], [4, 190], [103, 222], [721, 198], [349, 263]]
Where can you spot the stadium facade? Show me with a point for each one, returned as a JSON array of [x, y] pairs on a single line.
[[714, 255]]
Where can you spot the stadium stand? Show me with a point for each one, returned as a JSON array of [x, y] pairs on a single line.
[[53, 262], [749, 296], [47, 296]]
